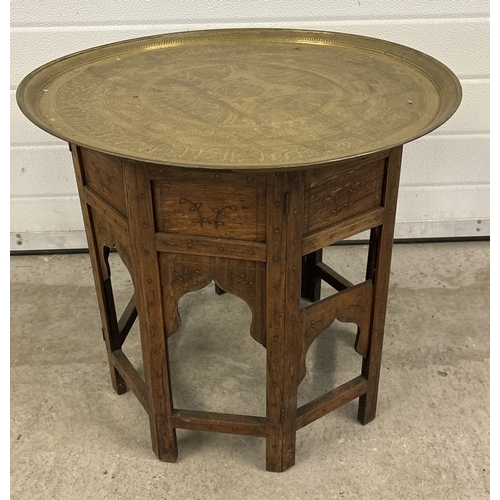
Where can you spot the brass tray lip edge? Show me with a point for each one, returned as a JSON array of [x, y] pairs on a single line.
[[193, 33], [26, 80], [248, 168], [267, 167], [453, 101]]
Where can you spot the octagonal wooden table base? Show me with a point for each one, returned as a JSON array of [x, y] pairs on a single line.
[[258, 235]]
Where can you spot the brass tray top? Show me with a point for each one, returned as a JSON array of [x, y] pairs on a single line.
[[241, 98]]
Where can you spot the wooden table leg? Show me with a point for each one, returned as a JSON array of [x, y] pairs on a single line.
[[283, 276], [98, 252], [149, 305], [378, 270]]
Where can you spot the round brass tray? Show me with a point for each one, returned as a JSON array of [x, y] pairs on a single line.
[[241, 98]]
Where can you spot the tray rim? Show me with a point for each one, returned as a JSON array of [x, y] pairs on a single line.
[[450, 91]]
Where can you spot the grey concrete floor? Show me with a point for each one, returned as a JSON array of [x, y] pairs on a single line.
[[72, 437]]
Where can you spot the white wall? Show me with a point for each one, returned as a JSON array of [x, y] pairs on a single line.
[[445, 180]]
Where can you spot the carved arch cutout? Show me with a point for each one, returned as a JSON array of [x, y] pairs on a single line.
[[182, 274], [352, 305], [330, 362], [212, 352], [106, 239]]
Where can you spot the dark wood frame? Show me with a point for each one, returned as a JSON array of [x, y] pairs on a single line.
[[304, 211]]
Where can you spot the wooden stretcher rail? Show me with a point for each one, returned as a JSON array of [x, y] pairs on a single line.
[[334, 279], [127, 320], [131, 377], [215, 247], [219, 422], [330, 401]]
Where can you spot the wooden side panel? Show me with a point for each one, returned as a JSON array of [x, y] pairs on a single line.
[[107, 211], [342, 230], [222, 205], [345, 194], [103, 174]]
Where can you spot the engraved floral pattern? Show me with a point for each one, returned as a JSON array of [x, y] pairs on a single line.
[[215, 221], [235, 104], [186, 275], [105, 180], [313, 325], [241, 278]]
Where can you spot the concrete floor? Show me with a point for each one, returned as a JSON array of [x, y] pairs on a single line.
[[73, 438]]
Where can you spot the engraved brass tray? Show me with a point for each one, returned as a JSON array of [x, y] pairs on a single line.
[[241, 98]]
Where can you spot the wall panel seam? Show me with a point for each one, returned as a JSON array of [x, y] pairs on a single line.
[[258, 23], [423, 187], [44, 197]]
